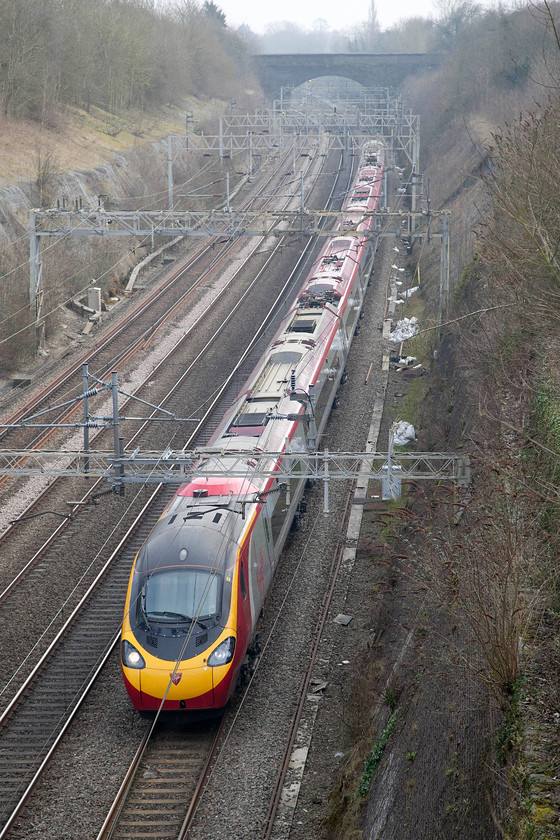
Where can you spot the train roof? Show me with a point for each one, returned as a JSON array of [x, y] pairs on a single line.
[[204, 487], [264, 416], [296, 355], [209, 536]]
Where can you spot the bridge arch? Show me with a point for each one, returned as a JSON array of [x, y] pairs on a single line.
[[275, 71]]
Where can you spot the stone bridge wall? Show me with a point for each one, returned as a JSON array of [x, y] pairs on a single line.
[[375, 70]]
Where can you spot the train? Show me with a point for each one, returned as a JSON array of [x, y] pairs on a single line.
[[199, 581]]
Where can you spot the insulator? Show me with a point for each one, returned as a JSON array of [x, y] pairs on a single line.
[[293, 380]]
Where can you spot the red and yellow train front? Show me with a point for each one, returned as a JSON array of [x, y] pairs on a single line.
[[193, 683], [179, 644]]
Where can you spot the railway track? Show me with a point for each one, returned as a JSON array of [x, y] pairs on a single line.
[[168, 771], [43, 708], [101, 367], [164, 812], [143, 808], [18, 720], [96, 617], [122, 342]]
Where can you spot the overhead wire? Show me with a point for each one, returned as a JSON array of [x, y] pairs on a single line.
[[64, 281], [248, 476], [60, 304], [160, 194]]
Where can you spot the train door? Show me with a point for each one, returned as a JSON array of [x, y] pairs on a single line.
[[261, 567], [244, 618]]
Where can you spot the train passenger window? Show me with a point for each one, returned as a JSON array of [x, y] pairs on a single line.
[[278, 514], [267, 526]]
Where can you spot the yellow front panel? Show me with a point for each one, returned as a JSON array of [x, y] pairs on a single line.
[[192, 678]]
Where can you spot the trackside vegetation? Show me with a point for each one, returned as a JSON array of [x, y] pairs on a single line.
[[117, 55]]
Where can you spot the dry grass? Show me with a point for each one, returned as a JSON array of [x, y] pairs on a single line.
[[81, 140]]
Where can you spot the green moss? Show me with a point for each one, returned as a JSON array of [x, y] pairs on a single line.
[[543, 814], [372, 761], [391, 699], [509, 733], [547, 417], [516, 340], [470, 273], [413, 400], [544, 460]]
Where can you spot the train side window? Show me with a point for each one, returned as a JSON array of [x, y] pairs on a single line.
[[278, 514], [242, 582], [266, 526]]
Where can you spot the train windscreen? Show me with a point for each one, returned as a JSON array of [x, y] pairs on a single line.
[[176, 594]]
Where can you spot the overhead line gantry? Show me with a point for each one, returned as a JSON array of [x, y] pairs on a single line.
[[266, 132]]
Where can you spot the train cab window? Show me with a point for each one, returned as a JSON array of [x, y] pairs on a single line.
[[242, 582], [181, 593]]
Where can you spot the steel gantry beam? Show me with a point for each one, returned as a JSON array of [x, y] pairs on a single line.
[[120, 467], [176, 467], [179, 467], [228, 223], [339, 136]]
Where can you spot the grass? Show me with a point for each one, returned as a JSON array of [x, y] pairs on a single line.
[[83, 139], [374, 758], [421, 346]]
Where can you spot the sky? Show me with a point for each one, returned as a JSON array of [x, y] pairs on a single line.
[[259, 13]]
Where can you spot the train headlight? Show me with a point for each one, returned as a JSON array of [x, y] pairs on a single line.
[[131, 657], [223, 653]]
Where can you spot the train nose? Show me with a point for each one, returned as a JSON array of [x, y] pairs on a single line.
[[181, 688]]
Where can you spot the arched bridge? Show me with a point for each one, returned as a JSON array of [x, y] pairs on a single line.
[[372, 70]]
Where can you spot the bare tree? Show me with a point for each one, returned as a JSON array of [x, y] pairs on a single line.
[[116, 54], [454, 17], [480, 568], [46, 166]]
